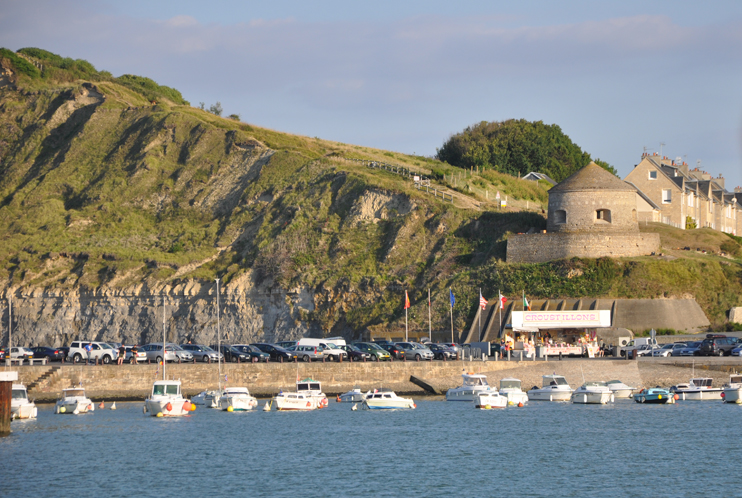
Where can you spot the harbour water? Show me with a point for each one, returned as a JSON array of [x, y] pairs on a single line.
[[439, 449]]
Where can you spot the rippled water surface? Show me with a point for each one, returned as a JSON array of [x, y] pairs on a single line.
[[439, 449]]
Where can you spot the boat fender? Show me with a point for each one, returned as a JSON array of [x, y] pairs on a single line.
[[309, 404], [187, 406], [169, 406], [90, 407], [723, 395], [324, 402], [676, 397], [414, 405]]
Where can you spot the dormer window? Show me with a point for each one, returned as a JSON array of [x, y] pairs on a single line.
[[653, 174], [603, 216]]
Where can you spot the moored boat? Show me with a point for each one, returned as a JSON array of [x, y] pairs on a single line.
[[655, 395], [510, 389], [166, 400], [592, 393], [698, 389], [619, 389], [353, 396], [20, 406], [486, 400], [555, 388], [237, 399], [386, 400], [732, 392], [472, 384], [288, 401], [313, 389], [73, 402]]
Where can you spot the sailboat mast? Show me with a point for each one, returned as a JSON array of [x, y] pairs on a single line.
[[218, 337], [10, 329], [164, 353]]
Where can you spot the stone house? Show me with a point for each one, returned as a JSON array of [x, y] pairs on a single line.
[[683, 193]]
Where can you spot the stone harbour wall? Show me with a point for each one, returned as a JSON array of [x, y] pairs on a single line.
[[543, 247]]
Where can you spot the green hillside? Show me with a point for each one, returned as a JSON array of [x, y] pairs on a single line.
[[116, 182]]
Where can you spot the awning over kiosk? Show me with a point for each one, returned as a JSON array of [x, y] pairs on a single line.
[[528, 320]]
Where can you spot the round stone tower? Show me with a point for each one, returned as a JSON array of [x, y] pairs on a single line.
[[592, 201]]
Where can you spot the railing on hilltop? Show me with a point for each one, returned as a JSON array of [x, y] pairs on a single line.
[[421, 181]]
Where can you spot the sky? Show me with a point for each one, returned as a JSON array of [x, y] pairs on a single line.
[[617, 77]]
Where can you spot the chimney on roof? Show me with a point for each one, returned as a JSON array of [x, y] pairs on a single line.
[[720, 181]]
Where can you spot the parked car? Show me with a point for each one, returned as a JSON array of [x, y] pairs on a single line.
[[307, 353], [376, 351], [21, 353], [277, 353], [456, 347], [155, 353], [355, 354], [92, 350], [416, 351], [667, 349], [141, 355], [717, 345], [395, 351], [183, 355], [441, 351], [202, 353], [254, 354], [231, 354], [644, 350], [333, 352], [51, 354], [65, 351], [737, 351], [688, 350]]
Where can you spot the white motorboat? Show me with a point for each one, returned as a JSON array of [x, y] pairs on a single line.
[[593, 393], [619, 389], [20, 406], [732, 392], [237, 399], [555, 388], [486, 400], [166, 400], [295, 401], [472, 384], [698, 389], [213, 397], [386, 400], [74, 401], [510, 388], [353, 396], [312, 388]]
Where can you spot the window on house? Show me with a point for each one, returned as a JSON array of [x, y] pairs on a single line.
[[690, 200], [653, 174], [560, 216], [633, 214], [603, 215], [666, 196], [711, 206]]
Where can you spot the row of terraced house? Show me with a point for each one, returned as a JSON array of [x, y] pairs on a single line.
[[674, 194]]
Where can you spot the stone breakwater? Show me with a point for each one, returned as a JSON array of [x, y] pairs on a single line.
[[111, 382]]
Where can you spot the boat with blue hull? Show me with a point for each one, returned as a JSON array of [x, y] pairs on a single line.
[[656, 395]]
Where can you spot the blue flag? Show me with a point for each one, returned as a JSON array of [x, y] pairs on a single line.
[[453, 299]]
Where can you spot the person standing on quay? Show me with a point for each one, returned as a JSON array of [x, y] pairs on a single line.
[[122, 353]]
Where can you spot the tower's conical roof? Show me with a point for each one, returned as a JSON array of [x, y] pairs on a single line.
[[591, 177]]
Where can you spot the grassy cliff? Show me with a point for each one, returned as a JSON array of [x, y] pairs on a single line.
[[111, 183]]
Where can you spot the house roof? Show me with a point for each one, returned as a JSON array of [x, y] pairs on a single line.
[[538, 176], [591, 177]]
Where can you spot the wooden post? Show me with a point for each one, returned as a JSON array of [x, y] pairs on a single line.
[[6, 386]]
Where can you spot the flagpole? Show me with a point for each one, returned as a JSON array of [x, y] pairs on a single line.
[[480, 313], [449, 291], [430, 325], [499, 305], [405, 324]]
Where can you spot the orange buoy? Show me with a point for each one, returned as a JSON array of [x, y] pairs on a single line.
[[520, 405], [187, 406], [169, 406], [338, 399], [676, 397], [309, 404], [414, 405], [102, 405]]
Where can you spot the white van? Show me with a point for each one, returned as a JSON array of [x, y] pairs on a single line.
[[329, 346]]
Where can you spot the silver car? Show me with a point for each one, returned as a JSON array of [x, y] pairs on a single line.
[[202, 353], [307, 353], [183, 355], [154, 353], [416, 351]]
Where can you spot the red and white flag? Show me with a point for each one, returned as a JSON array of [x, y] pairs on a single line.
[[482, 301], [503, 300], [406, 300]]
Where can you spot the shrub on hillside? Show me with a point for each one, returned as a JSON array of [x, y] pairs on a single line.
[[20, 64], [732, 248]]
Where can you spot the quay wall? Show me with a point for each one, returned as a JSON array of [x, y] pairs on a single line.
[[543, 247], [112, 382]]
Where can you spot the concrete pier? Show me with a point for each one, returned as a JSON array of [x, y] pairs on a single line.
[[6, 386]]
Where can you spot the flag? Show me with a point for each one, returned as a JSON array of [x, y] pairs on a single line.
[[406, 300], [482, 301], [428, 298], [526, 304], [453, 299], [503, 300], [225, 378]]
